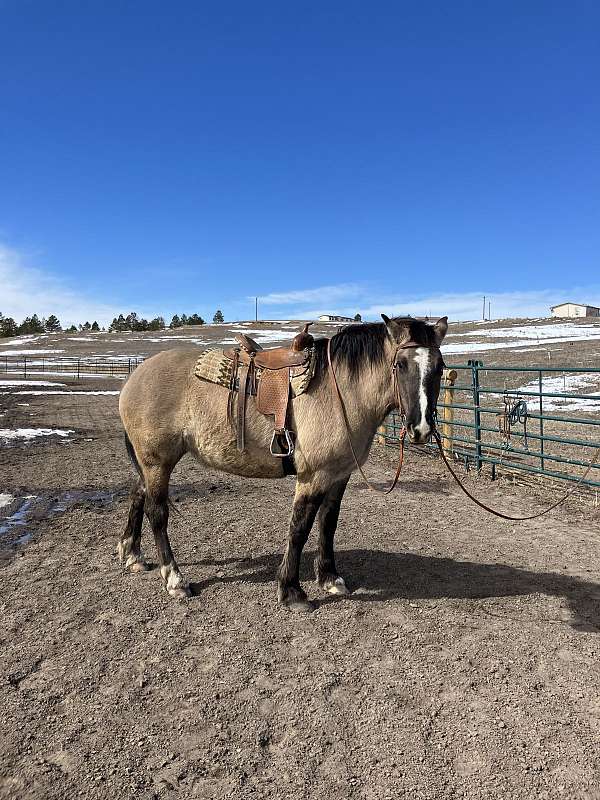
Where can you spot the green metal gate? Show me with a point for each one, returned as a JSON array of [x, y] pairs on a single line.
[[487, 416]]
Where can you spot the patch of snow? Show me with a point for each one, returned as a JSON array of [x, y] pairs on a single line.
[[562, 384], [31, 433], [565, 330], [74, 391], [19, 340], [28, 352], [480, 347], [31, 383], [80, 339], [5, 500]]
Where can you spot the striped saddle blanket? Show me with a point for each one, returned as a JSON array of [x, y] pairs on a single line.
[[214, 366]]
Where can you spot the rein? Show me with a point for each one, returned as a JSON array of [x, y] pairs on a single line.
[[438, 440], [403, 432], [567, 494]]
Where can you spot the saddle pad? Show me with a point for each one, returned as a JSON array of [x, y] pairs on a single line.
[[214, 366]]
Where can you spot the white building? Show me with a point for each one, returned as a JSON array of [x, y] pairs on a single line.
[[575, 310], [334, 318]]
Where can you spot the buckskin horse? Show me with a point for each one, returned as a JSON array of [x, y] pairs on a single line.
[[357, 378]]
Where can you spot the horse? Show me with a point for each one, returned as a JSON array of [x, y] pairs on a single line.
[[167, 412]]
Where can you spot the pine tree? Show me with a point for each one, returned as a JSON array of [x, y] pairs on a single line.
[[8, 327], [184, 319], [53, 324], [31, 325], [218, 317], [357, 318], [175, 322], [95, 326], [72, 329], [195, 319]]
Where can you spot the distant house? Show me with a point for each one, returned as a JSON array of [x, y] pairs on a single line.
[[334, 318], [575, 310]]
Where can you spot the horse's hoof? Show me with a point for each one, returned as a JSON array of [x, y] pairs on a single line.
[[295, 600], [336, 586], [138, 566], [181, 592], [299, 606]]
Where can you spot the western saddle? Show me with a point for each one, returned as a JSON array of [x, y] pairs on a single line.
[[266, 374]]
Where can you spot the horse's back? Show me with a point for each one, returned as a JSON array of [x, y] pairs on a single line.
[[166, 411]]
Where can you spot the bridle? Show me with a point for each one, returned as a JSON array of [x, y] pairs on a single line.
[[395, 368]]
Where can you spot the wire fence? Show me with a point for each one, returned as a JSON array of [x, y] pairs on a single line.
[[75, 367]]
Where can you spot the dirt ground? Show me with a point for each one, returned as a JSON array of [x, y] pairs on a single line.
[[464, 665]]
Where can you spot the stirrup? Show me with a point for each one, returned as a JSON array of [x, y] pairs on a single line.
[[288, 441]]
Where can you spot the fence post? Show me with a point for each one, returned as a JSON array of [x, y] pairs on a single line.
[[475, 366], [449, 379], [541, 406]]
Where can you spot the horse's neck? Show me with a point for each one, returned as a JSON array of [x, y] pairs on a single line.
[[369, 394]]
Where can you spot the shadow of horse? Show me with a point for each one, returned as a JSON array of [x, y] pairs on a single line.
[[383, 575]]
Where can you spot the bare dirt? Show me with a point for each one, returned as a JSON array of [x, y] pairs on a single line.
[[464, 665]]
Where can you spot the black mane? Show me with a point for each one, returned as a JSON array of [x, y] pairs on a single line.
[[357, 345]]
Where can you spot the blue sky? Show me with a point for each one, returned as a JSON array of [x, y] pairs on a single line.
[[324, 156]]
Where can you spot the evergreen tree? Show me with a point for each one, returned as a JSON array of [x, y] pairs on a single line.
[[218, 317], [156, 324], [357, 318], [195, 319], [131, 321], [95, 326], [53, 324], [184, 319], [175, 322], [8, 327], [72, 329], [31, 325]]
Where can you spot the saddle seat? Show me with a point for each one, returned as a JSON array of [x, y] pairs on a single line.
[[275, 357], [266, 374]]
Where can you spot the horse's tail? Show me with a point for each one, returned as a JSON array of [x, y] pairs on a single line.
[[133, 456]]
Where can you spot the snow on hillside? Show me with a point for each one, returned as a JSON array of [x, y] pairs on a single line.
[[521, 336]]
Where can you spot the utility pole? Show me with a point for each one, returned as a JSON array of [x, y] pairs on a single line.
[[489, 310], [484, 307]]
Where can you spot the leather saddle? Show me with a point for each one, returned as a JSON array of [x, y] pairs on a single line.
[[266, 374]]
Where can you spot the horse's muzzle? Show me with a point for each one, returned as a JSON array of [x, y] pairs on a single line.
[[418, 436]]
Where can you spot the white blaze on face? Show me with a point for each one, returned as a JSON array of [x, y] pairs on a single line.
[[422, 361]]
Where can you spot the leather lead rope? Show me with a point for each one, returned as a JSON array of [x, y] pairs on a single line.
[[347, 427], [567, 494]]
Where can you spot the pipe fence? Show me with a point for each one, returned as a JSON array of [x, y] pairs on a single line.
[[517, 418]]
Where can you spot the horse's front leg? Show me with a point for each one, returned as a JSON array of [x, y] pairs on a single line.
[[304, 511], [325, 570]]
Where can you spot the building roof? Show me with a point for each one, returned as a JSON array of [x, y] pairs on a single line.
[[571, 303]]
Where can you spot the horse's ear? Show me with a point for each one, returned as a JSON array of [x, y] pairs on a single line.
[[440, 328], [395, 330]]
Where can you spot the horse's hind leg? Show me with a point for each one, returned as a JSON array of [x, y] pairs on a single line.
[[157, 512], [129, 545], [304, 511], [325, 569]]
